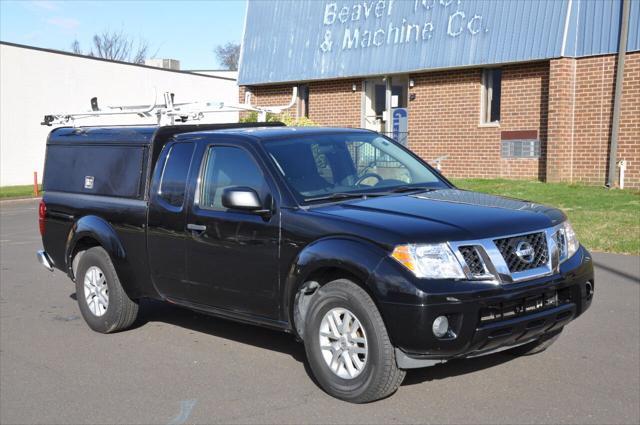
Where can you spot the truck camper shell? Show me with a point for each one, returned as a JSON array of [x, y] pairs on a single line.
[[112, 160]]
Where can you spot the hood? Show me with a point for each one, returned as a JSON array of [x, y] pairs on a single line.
[[445, 215]]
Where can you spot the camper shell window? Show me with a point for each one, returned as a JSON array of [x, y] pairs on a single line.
[[97, 170]]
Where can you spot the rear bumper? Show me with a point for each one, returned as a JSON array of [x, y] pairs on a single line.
[[487, 319], [45, 260]]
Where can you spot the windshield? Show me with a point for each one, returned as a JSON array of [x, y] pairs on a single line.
[[333, 165]]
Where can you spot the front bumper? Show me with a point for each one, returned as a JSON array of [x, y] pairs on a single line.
[[484, 318]]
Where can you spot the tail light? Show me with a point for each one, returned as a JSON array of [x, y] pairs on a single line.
[[42, 212]]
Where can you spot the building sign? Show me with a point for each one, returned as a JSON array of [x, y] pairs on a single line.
[[303, 40], [400, 121], [345, 24]]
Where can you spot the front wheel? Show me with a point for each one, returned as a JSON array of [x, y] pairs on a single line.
[[347, 344]]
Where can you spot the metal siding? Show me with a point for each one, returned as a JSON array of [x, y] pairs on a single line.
[[633, 43], [283, 38], [599, 27], [595, 18], [571, 38]]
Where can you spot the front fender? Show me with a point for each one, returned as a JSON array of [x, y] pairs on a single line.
[[355, 256], [98, 229]]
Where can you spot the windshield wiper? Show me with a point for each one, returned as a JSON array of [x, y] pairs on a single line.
[[352, 195], [340, 196], [401, 189]]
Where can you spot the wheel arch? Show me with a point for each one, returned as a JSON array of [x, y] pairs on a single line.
[[91, 231], [80, 247], [323, 261]]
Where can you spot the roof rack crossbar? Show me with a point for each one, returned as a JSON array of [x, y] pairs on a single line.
[[169, 112]]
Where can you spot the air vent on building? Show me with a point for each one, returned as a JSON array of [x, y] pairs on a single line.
[[519, 144], [173, 64]]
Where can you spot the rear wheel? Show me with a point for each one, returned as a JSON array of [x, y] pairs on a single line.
[[347, 344], [537, 346], [103, 302]]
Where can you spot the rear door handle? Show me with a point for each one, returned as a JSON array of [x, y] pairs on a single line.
[[196, 227]]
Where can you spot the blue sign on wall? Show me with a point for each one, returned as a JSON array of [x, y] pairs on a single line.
[[400, 128], [322, 39]]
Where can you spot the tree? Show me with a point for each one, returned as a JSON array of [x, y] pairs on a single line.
[[228, 55], [115, 46]]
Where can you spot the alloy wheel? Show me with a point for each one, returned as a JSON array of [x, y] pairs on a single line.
[[343, 343], [96, 291]]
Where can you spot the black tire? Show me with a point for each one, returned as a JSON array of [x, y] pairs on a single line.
[[537, 346], [380, 376], [121, 311]]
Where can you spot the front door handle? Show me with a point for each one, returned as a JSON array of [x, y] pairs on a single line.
[[196, 227]]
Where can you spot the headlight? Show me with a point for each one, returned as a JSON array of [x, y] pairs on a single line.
[[429, 261], [568, 241]]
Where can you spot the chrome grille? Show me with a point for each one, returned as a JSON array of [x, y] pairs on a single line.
[[472, 258], [508, 247], [562, 243]]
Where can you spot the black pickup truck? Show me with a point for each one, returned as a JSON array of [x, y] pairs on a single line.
[[341, 237]]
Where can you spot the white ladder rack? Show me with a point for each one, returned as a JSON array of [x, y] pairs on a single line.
[[169, 112]]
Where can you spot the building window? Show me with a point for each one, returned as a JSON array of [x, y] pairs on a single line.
[[303, 101], [491, 90]]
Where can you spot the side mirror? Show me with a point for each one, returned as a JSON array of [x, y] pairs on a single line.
[[241, 198]]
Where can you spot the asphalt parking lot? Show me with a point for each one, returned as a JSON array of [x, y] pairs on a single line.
[[181, 367]]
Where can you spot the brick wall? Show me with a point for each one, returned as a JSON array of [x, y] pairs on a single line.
[[444, 120], [331, 103], [269, 95], [567, 101], [629, 136], [581, 112], [334, 103], [560, 123]]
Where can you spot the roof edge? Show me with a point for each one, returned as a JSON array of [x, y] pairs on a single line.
[[62, 52]]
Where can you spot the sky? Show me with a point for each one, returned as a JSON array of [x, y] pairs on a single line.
[[183, 30]]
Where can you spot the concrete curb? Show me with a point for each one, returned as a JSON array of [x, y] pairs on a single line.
[[12, 200]]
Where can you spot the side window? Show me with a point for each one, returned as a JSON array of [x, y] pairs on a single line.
[[228, 167], [174, 174], [491, 93]]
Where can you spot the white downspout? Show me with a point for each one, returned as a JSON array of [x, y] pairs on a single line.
[[262, 112]]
